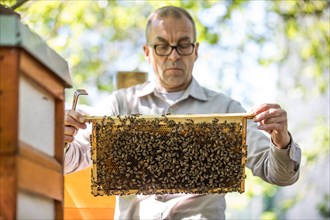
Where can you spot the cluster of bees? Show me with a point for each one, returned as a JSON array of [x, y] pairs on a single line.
[[134, 155]]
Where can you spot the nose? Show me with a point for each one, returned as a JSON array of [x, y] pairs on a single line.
[[174, 55]]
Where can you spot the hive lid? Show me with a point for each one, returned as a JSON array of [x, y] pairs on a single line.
[[16, 34]]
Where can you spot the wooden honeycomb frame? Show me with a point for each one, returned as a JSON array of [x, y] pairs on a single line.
[[194, 154]]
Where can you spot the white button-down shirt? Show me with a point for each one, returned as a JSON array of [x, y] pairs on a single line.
[[276, 166]]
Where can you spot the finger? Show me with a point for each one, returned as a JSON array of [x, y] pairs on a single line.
[[75, 119], [71, 122], [68, 139], [277, 119], [70, 131], [265, 107], [76, 115], [270, 113], [272, 127]]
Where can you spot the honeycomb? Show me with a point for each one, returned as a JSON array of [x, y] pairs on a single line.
[[193, 154]]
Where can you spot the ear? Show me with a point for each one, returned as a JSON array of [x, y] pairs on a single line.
[[146, 52], [196, 51]]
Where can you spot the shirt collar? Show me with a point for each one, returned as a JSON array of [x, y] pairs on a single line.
[[194, 90], [146, 89]]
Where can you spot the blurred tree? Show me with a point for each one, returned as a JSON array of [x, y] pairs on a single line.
[[307, 23], [92, 33]]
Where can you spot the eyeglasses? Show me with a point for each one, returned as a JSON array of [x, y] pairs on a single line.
[[166, 49]]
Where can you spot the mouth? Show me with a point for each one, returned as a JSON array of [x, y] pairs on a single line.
[[173, 69]]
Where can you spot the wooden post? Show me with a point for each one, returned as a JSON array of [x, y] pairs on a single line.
[[127, 79], [32, 83]]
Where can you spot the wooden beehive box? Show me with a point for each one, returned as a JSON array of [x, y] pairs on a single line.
[[33, 79], [168, 154]]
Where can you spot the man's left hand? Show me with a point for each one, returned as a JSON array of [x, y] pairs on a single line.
[[273, 119]]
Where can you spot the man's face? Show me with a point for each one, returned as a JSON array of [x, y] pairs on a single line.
[[172, 72]]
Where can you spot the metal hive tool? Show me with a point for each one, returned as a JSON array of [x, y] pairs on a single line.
[[168, 154]]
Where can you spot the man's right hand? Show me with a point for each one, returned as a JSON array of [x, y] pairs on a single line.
[[73, 121]]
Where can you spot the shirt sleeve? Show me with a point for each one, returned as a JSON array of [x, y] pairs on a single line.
[[78, 155], [274, 165]]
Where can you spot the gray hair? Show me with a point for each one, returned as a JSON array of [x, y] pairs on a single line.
[[168, 11]]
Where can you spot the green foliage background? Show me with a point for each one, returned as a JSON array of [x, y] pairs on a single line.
[[117, 21], [94, 36]]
